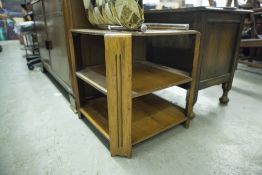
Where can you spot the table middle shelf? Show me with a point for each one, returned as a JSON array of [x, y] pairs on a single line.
[[147, 77]]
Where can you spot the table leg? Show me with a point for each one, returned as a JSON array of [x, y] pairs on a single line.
[[226, 88], [118, 51], [193, 90]]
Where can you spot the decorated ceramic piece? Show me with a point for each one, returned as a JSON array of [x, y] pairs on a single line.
[[126, 13]]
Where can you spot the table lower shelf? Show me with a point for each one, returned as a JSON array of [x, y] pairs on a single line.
[[151, 115]]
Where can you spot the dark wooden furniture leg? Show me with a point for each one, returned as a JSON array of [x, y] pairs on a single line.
[[226, 88]]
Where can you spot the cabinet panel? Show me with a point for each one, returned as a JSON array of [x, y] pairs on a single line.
[[52, 40], [38, 8], [219, 53], [58, 53], [42, 34], [52, 6]]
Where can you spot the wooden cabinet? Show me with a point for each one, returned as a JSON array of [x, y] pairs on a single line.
[[221, 32], [54, 19], [51, 33], [115, 82]]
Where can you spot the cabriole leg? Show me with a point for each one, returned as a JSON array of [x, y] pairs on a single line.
[[224, 99]]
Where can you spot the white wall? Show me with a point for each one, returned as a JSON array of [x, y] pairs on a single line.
[[195, 2], [151, 1], [220, 3]]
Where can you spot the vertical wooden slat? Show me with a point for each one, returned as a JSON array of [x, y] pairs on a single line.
[[76, 61], [118, 55], [193, 85]]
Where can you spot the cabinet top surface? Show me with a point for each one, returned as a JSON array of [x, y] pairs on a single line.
[[202, 8], [134, 33]]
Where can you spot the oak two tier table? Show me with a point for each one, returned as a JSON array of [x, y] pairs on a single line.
[[115, 84]]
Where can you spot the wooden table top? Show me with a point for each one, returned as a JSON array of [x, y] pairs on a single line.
[[134, 33], [202, 8]]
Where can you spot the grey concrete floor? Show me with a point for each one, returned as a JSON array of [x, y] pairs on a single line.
[[39, 134]]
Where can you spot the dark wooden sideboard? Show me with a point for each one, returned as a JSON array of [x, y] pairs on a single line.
[[220, 38]]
